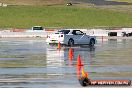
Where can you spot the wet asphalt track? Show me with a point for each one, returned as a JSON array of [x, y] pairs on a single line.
[[101, 2], [34, 64]]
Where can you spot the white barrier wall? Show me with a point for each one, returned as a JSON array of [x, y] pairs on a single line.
[[23, 34], [127, 30], [100, 32], [91, 32]]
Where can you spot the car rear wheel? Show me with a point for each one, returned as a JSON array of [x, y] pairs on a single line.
[[70, 42], [92, 42]]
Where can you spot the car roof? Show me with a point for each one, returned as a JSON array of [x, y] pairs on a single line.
[[71, 29], [37, 26]]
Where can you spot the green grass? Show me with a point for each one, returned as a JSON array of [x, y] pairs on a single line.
[[62, 16]]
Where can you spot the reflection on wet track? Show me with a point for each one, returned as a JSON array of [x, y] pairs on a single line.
[[33, 64]]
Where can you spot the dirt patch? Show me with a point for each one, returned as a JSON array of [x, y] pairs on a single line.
[[32, 2]]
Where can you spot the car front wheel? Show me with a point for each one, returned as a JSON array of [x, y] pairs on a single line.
[[92, 42]]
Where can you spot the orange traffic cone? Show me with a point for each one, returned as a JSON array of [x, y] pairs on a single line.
[[59, 45], [70, 54], [78, 71], [79, 60]]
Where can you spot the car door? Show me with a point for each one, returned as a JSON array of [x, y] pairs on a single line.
[[82, 38], [75, 37]]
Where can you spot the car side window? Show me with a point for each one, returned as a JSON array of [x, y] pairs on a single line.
[[63, 31], [66, 31], [74, 32], [79, 33]]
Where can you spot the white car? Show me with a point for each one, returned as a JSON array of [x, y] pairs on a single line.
[[70, 38], [36, 29]]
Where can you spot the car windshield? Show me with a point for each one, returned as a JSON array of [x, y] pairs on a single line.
[[37, 28], [63, 32]]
